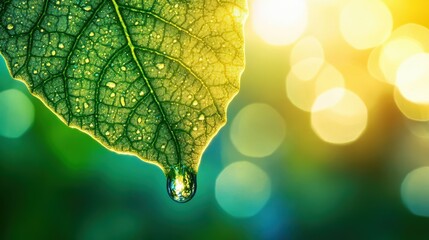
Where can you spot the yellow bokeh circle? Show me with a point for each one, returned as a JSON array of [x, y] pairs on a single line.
[[339, 116]]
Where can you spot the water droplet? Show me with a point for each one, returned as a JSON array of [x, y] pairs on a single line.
[[181, 184], [160, 66], [201, 117], [112, 94], [141, 93], [107, 133], [53, 53], [111, 85], [139, 120], [91, 125], [85, 105], [35, 72], [10, 26], [87, 8], [91, 34], [122, 101], [123, 68], [86, 60], [48, 64], [195, 128], [195, 103]]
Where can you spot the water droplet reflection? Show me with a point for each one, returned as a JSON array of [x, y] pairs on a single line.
[[181, 184]]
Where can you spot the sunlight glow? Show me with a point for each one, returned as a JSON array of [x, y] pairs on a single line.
[[307, 47], [405, 41], [303, 87], [414, 191], [365, 23], [339, 116], [411, 110], [394, 53], [279, 22], [242, 189], [257, 130], [413, 78], [17, 113]]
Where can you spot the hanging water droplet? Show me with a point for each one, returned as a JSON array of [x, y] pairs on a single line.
[[85, 105], [91, 34], [141, 93], [139, 120], [123, 68], [86, 60], [10, 26], [87, 8], [181, 184], [195, 103], [53, 53], [201, 117], [61, 45]]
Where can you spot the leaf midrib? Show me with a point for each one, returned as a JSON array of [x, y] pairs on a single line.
[[149, 85]]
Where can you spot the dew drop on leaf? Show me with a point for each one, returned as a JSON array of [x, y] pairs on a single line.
[[111, 85], [122, 101], [160, 66]]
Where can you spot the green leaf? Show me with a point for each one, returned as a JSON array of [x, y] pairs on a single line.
[[147, 78]]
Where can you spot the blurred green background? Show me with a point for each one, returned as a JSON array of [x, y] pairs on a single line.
[[282, 168]]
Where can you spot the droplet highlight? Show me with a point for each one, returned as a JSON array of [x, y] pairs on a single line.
[[181, 184]]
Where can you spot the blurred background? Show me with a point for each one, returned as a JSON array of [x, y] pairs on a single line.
[[328, 138]]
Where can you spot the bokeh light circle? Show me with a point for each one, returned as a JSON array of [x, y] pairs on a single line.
[[339, 116], [365, 23], [404, 42], [279, 22], [415, 191], [411, 110], [307, 47], [413, 78], [394, 53], [257, 130], [17, 113], [302, 89], [242, 189]]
